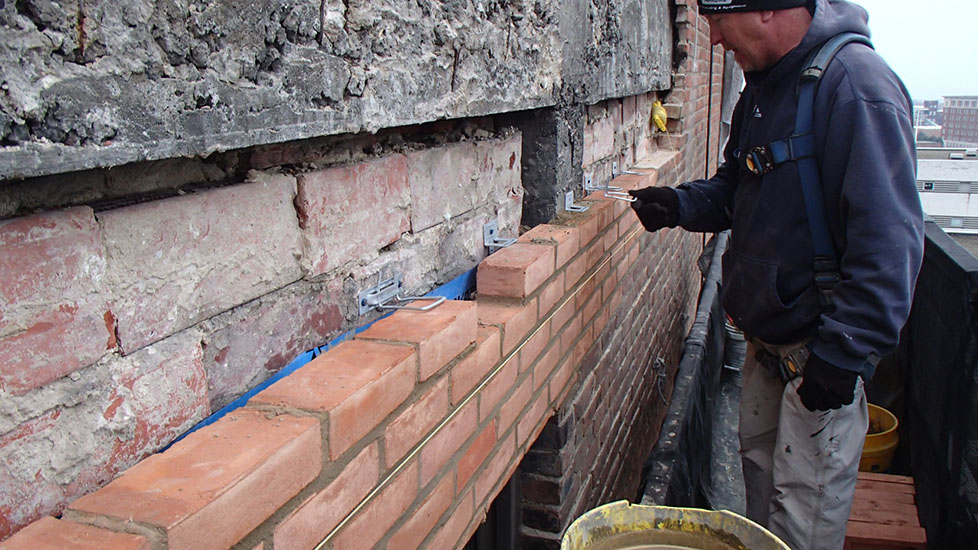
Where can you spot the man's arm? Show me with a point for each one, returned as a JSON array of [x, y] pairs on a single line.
[[870, 149]]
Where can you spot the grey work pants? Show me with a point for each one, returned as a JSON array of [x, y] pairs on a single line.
[[800, 466]]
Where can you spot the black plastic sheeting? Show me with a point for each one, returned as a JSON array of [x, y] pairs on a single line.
[[939, 354], [677, 472]]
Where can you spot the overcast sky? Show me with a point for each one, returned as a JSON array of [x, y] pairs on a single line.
[[931, 44]]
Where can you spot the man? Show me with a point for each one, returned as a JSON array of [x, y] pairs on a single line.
[[801, 437]]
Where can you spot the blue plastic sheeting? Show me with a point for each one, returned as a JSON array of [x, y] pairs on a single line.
[[459, 288]]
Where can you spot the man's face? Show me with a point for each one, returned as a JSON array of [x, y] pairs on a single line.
[[745, 34]]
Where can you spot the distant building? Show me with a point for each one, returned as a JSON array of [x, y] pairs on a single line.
[[948, 184], [960, 128], [932, 112], [929, 136]]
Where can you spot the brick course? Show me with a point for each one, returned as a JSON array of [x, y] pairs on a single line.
[[176, 262], [339, 207], [54, 317]]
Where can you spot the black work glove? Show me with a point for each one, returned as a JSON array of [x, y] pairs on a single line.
[[825, 386], [656, 207]]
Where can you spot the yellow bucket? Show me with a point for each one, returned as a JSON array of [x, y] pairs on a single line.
[[881, 441], [623, 526]]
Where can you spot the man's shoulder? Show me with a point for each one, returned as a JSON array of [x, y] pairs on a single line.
[[858, 73]]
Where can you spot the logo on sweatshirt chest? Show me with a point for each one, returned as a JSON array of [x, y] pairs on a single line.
[[757, 112]]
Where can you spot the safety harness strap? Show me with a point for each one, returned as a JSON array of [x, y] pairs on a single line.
[[825, 265], [800, 147]]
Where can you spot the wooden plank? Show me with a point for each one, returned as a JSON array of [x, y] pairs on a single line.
[[884, 512], [884, 494], [900, 488], [889, 478], [871, 536]]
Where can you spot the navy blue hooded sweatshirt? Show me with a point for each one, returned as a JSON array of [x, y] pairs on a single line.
[[866, 155]]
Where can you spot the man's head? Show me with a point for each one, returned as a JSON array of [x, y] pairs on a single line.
[[758, 32], [729, 6]]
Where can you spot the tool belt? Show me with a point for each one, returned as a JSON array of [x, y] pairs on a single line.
[[787, 368]]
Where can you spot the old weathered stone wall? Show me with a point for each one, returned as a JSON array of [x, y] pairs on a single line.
[[101, 83]]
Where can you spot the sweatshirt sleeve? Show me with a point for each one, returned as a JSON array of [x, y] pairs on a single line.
[[869, 175], [706, 205]]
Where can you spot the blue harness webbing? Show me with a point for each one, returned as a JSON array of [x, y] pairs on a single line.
[[800, 147]]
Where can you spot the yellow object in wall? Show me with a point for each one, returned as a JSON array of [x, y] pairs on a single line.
[[659, 116]]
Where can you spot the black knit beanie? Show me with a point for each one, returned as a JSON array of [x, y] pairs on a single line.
[[724, 6]]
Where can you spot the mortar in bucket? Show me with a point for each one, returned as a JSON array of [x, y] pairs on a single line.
[[624, 526]]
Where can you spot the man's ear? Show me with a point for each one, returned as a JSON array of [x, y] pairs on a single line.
[[766, 15]]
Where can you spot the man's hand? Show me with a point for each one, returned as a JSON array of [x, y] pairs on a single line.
[[825, 386], [656, 207]]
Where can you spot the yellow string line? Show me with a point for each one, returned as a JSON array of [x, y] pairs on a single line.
[[417, 449]]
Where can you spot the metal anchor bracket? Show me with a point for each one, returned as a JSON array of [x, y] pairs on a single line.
[[570, 206], [386, 295], [615, 172], [610, 191], [490, 237]]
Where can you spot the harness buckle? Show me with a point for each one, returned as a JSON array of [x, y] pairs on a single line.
[[826, 277], [759, 160]]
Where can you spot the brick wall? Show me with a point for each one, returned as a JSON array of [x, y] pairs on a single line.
[[592, 449], [409, 448], [127, 325], [123, 327]]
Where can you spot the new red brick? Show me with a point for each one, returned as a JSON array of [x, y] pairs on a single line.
[[412, 425], [534, 346], [627, 225], [175, 262], [439, 335], [516, 271], [54, 319], [604, 210], [420, 523], [532, 422], [440, 448], [570, 334], [52, 534], [339, 209], [566, 239], [552, 294], [474, 368], [516, 321], [450, 533], [319, 514], [373, 521], [575, 270], [497, 471], [496, 389], [357, 383], [565, 312], [545, 366], [476, 454], [587, 225], [235, 473], [558, 384], [515, 404]]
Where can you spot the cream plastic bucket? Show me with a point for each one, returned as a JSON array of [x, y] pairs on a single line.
[[623, 526]]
